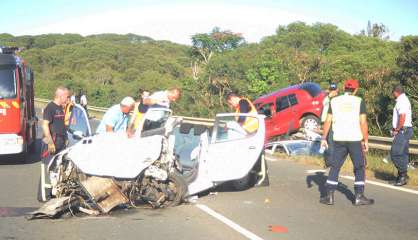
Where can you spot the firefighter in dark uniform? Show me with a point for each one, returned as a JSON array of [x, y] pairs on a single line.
[[53, 126], [347, 114]]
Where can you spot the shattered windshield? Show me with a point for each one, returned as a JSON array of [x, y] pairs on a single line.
[[7, 83]]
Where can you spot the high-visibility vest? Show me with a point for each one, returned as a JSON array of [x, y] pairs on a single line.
[[346, 118], [138, 118], [67, 113], [251, 123]]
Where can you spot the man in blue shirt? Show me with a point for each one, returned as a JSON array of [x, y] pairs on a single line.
[[116, 117]]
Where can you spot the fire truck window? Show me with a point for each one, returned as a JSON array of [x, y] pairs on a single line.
[[20, 81], [7, 83]]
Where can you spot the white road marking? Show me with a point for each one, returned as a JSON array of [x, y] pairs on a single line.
[[228, 222], [385, 185], [371, 182]]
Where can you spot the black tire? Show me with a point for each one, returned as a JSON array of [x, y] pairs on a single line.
[[180, 188], [310, 122], [244, 183]]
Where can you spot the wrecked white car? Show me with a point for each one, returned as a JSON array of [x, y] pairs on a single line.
[[170, 159]]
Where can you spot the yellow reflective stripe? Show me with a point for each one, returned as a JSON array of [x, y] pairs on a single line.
[[137, 119], [4, 105], [15, 104]]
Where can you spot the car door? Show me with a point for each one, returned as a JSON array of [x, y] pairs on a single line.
[[296, 110], [268, 110], [284, 121], [232, 151], [79, 125]]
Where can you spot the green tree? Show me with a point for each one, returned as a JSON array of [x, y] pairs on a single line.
[[407, 62]]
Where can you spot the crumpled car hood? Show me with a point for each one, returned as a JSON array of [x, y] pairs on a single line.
[[115, 155]]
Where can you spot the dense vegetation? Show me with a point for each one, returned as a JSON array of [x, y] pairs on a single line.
[[109, 66]]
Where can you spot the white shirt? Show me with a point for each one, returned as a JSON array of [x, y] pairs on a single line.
[[162, 98], [325, 104], [83, 100], [403, 106], [72, 98]]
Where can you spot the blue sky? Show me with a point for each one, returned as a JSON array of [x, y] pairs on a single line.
[[178, 20]]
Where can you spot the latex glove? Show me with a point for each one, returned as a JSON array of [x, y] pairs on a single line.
[[324, 143], [51, 145]]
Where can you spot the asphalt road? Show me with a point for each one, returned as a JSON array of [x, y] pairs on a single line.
[[290, 205]]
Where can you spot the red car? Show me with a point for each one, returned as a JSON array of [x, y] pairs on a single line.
[[290, 108]]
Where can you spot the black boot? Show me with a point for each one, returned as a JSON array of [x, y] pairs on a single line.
[[362, 200], [328, 199], [402, 179]]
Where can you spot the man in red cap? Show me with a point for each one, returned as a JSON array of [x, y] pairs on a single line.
[[347, 115]]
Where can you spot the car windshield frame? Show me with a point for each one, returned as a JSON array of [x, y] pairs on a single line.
[[8, 83]]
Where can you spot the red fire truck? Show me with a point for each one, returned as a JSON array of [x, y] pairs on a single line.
[[18, 120]]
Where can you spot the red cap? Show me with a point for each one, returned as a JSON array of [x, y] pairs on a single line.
[[351, 83]]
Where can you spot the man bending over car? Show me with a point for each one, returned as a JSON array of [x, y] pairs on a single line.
[[243, 105], [116, 117]]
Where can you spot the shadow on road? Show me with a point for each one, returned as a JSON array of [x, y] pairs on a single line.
[[384, 176], [320, 180], [19, 159]]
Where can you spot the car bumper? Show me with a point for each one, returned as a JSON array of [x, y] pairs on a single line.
[[11, 144]]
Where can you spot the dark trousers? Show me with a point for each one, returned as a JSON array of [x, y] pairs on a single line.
[[341, 150], [400, 149], [329, 152]]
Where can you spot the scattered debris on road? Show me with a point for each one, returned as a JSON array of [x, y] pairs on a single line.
[[278, 229]]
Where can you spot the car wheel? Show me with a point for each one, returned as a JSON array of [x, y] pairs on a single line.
[[310, 122], [178, 187], [244, 183]]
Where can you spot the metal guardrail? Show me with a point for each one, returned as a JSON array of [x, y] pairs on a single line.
[[385, 143], [375, 142], [201, 121], [90, 108]]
